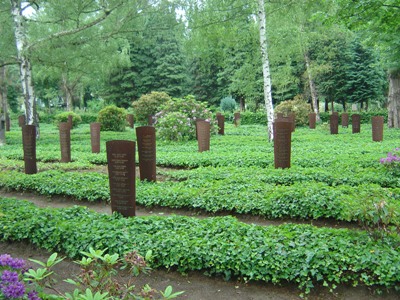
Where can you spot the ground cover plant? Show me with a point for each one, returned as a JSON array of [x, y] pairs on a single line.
[[302, 254], [332, 176]]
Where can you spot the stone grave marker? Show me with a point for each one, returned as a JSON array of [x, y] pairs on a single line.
[[121, 176], [203, 135], [2, 129], [221, 124], [292, 117], [95, 137], [65, 141], [334, 123], [8, 123], [312, 120], [197, 120], [345, 120], [146, 141], [150, 120], [356, 123], [377, 128], [131, 120], [70, 122], [21, 120], [282, 142], [29, 146], [236, 118]]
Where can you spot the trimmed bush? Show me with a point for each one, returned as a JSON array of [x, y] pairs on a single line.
[[149, 104], [228, 104], [112, 118], [177, 119], [299, 106], [63, 117]]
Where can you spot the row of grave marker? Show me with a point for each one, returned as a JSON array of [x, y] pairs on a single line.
[[121, 156]]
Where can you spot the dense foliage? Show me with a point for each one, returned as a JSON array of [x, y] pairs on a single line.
[[112, 118], [298, 106], [177, 119], [335, 177], [301, 254], [148, 105], [63, 117]]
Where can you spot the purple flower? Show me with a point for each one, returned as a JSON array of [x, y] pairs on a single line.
[[9, 277], [33, 295], [15, 263], [14, 290]]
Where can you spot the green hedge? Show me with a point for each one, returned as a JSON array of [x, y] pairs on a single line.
[[303, 199], [365, 116], [301, 254], [260, 118]]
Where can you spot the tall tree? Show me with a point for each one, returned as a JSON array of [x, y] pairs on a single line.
[[265, 66], [379, 23]]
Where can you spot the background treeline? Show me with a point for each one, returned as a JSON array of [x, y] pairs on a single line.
[[209, 49]]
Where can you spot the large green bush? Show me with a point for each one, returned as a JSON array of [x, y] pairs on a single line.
[[112, 118], [149, 104], [63, 117], [177, 119], [228, 104], [299, 106]]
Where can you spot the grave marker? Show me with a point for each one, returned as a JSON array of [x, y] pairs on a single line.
[[203, 135], [121, 176], [29, 146], [377, 129], [21, 120], [345, 120], [146, 141], [70, 122], [150, 120], [65, 141], [8, 123], [282, 143], [312, 120], [334, 123], [95, 137], [355, 123], [292, 117], [236, 118], [221, 124], [130, 119]]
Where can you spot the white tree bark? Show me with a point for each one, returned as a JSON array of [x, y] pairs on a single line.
[[3, 105], [265, 66], [394, 100], [24, 63], [313, 90]]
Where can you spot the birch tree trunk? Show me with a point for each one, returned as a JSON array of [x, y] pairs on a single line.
[[24, 63], [3, 105], [394, 100], [265, 66], [313, 90]]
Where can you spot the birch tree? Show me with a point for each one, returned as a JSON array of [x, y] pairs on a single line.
[[265, 67], [25, 69]]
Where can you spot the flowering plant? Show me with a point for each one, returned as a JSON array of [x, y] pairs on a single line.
[[392, 162], [12, 272], [177, 119]]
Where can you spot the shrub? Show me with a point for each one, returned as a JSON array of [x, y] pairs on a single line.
[[228, 104], [149, 104], [177, 119], [112, 118], [63, 117], [299, 106]]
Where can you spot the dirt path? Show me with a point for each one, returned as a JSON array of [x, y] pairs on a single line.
[[196, 285]]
